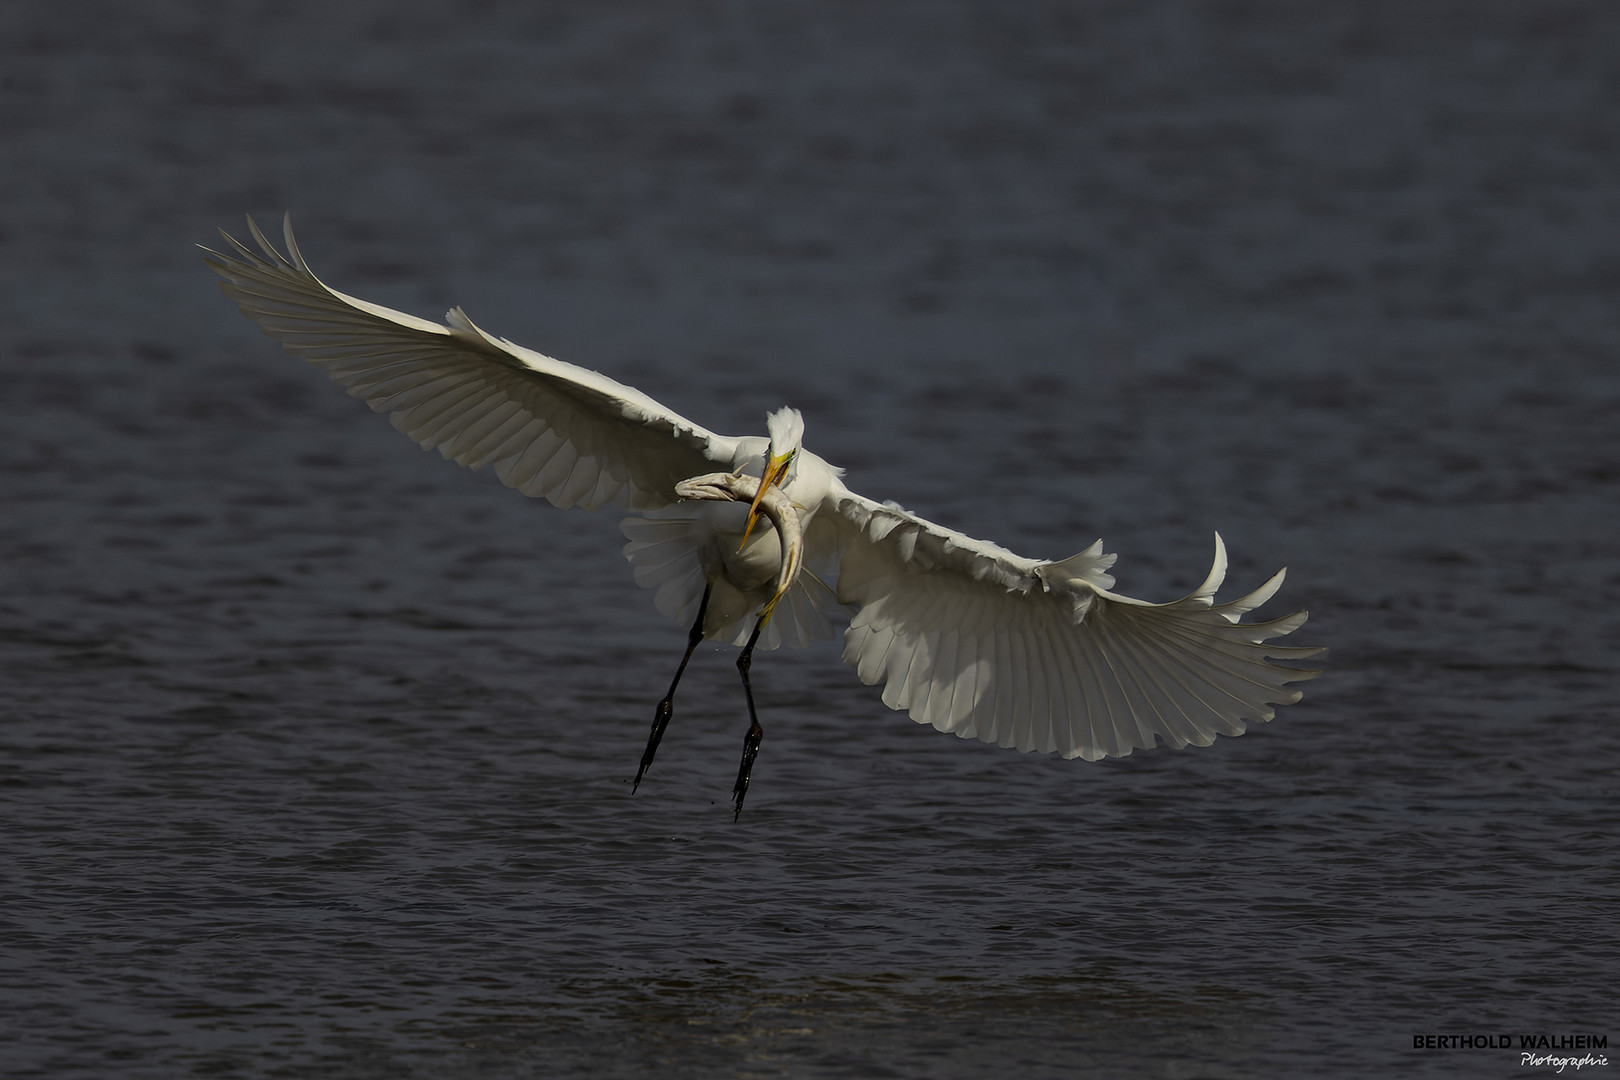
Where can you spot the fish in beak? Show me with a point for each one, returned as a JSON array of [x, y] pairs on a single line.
[[775, 472]]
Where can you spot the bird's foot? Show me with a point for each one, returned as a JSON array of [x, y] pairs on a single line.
[[666, 709], [739, 791]]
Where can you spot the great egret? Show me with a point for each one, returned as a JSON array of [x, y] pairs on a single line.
[[963, 634]]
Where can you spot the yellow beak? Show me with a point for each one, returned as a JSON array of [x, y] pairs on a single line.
[[775, 470]]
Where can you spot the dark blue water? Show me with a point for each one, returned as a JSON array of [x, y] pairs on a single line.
[[315, 750]]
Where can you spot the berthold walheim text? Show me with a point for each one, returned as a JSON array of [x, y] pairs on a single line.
[[1508, 1042]]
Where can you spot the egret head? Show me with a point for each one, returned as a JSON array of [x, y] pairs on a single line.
[[786, 428]]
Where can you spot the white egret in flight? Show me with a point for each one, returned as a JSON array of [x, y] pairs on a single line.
[[962, 634]]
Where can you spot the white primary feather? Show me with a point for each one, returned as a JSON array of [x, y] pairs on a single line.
[[550, 429], [961, 633], [970, 638]]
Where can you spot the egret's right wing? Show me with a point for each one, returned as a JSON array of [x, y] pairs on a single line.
[[975, 640], [549, 428]]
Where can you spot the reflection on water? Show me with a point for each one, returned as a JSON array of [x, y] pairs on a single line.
[[872, 1024], [949, 1025]]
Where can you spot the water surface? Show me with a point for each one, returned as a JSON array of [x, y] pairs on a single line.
[[316, 750]]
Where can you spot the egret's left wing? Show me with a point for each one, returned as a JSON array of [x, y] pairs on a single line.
[[1040, 655], [549, 428]]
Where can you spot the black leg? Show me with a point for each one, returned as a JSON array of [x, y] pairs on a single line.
[[755, 732], [666, 708]]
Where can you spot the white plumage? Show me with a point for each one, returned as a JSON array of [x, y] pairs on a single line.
[[960, 633]]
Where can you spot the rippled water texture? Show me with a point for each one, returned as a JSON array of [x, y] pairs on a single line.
[[315, 750]]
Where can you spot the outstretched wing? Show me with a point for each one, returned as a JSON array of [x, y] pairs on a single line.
[[1037, 655], [551, 429]]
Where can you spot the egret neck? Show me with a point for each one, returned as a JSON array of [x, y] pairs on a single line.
[[772, 503]]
